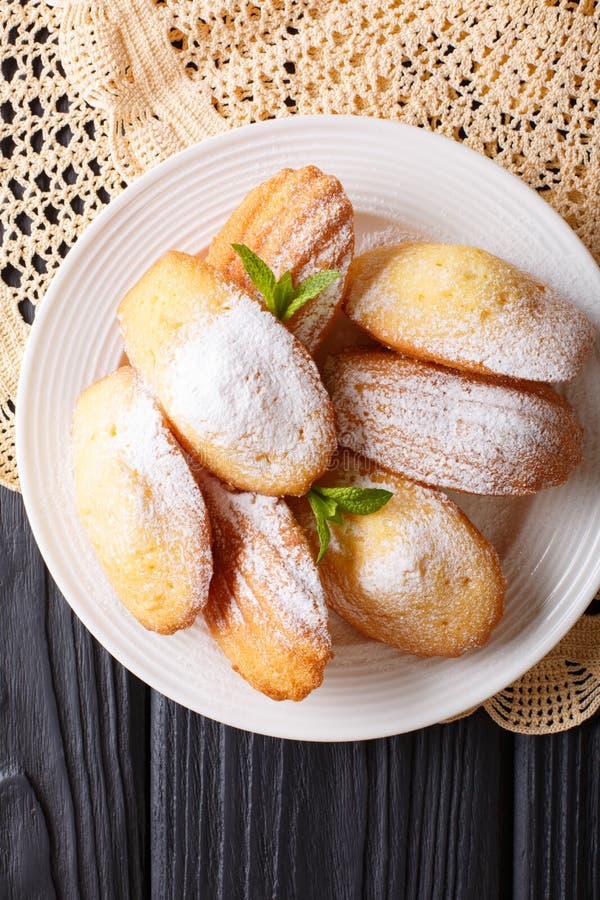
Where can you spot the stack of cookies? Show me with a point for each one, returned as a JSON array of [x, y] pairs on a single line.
[[184, 457]]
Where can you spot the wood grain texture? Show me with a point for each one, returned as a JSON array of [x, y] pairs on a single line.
[[108, 789], [72, 739], [399, 817], [557, 814]]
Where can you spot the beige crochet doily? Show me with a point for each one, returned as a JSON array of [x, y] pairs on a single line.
[[518, 81]]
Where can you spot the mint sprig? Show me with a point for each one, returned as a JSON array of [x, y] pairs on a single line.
[[281, 297], [329, 503]]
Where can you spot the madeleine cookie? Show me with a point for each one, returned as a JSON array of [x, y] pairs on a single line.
[[416, 574], [299, 220], [450, 429], [139, 504], [242, 394], [266, 608], [465, 308]]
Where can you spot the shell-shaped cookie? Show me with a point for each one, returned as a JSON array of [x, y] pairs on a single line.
[[299, 220], [139, 504], [416, 574], [463, 307], [242, 394], [450, 429], [266, 608]]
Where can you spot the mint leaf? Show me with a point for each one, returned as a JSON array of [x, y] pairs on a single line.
[[281, 297], [327, 507], [319, 507], [283, 294], [316, 283], [259, 273], [307, 290], [359, 501], [337, 517], [328, 504]]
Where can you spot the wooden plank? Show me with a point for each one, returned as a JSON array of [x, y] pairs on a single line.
[[239, 815], [450, 835], [24, 841], [265, 812], [557, 814], [72, 742]]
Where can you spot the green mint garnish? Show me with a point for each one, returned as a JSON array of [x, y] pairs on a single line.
[[281, 297], [329, 503]]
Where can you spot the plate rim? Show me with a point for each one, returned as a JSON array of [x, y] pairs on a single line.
[[546, 641]]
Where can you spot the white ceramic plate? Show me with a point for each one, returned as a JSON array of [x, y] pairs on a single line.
[[393, 173]]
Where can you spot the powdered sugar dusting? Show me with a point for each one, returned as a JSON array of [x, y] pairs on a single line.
[[418, 536], [449, 429], [274, 551], [146, 448], [551, 348], [324, 239], [391, 234], [323, 235], [500, 321], [237, 380]]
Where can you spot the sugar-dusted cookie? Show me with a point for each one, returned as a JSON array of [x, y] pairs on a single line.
[[243, 395], [266, 608], [299, 220], [139, 504], [452, 429], [464, 308], [416, 574]]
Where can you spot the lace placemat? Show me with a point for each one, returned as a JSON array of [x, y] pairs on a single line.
[[517, 81]]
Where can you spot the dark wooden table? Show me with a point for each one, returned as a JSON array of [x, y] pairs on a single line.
[[109, 790]]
